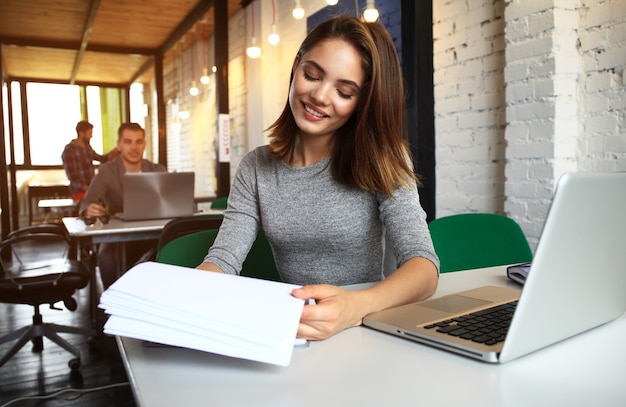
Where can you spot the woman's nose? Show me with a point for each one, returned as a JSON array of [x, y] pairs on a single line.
[[320, 95]]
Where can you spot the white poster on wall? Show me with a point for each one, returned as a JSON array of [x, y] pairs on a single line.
[[224, 137]]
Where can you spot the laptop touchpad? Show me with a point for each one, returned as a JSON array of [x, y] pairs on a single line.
[[454, 303]]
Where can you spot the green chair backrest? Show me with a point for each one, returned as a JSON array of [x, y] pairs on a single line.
[[260, 261], [189, 251], [220, 203], [476, 240]]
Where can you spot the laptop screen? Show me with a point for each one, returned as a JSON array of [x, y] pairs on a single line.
[[158, 195]]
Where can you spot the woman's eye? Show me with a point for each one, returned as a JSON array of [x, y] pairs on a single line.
[[309, 77], [344, 95]]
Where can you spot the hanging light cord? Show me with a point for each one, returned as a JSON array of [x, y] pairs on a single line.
[[204, 52], [252, 18], [273, 12], [193, 68]]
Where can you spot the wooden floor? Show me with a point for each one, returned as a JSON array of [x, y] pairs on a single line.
[[30, 374]]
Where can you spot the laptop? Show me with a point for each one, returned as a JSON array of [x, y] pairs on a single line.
[[577, 281], [157, 195]]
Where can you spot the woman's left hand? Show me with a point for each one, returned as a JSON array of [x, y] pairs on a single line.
[[334, 310]]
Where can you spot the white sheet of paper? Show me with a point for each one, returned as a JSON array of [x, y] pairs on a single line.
[[231, 315]]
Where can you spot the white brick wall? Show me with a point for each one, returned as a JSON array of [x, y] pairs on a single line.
[[469, 106], [602, 86], [560, 83]]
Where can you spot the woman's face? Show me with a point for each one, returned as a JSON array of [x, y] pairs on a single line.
[[326, 87]]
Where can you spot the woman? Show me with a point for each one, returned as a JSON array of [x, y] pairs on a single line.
[[335, 180]]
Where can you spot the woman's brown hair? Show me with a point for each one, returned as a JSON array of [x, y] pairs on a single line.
[[370, 150]]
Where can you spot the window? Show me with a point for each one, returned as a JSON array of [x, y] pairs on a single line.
[[53, 111]]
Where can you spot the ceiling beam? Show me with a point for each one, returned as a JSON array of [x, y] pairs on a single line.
[[91, 17], [65, 82], [75, 45]]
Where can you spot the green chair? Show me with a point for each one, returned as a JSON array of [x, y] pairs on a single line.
[[220, 203], [189, 251], [476, 240]]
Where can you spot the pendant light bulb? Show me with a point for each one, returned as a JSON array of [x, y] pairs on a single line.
[[371, 12], [183, 114], [205, 78], [193, 90], [298, 11], [253, 51], [332, 2], [274, 38]]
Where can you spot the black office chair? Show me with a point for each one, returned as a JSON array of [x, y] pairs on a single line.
[[35, 270], [188, 224], [180, 227]]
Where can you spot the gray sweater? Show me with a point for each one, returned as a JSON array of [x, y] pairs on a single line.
[[320, 231]]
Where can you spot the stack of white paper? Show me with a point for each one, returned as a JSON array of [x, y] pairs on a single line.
[[230, 315]]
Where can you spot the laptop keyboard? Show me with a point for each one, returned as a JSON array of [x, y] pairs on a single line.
[[488, 326]]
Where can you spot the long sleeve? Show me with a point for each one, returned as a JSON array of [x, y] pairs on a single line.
[[320, 231]]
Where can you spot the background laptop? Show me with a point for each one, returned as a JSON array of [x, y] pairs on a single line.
[[157, 195], [577, 279]]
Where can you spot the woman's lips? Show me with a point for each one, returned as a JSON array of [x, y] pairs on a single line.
[[313, 113]]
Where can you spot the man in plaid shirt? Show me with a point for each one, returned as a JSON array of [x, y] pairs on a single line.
[[78, 157]]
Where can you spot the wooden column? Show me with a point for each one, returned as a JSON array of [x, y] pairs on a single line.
[[161, 110], [221, 59], [417, 66], [4, 184]]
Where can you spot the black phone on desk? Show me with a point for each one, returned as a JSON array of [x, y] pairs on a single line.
[[518, 272]]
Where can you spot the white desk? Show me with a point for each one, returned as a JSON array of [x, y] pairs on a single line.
[[44, 190], [55, 208], [116, 230], [361, 367]]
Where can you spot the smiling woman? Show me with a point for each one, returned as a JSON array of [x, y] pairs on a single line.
[[335, 187]]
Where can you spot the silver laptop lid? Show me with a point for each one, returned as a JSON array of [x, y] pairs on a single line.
[[578, 276], [158, 195], [577, 280]]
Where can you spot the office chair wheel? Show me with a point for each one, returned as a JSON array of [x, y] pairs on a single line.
[[74, 364], [37, 344]]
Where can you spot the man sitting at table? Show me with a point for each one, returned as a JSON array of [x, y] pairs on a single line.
[[105, 197]]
